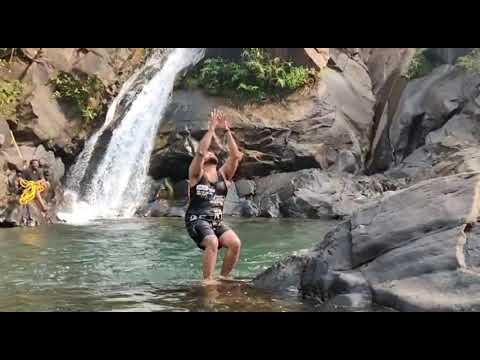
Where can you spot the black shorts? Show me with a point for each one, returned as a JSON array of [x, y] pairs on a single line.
[[200, 229]]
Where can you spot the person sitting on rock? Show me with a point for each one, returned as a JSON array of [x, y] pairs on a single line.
[[208, 191]]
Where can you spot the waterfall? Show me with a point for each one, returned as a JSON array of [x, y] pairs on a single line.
[[78, 170], [119, 182]]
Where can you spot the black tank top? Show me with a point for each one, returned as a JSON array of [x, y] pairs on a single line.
[[208, 199]]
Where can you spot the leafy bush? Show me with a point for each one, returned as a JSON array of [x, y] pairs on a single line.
[[85, 94], [419, 67], [257, 76], [470, 62], [10, 94]]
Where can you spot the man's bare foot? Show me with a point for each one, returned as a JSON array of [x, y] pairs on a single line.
[[226, 278], [210, 282]]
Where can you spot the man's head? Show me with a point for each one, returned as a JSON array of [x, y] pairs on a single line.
[[35, 164], [211, 159]]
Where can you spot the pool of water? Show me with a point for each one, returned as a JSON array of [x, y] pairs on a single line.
[[141, 265]]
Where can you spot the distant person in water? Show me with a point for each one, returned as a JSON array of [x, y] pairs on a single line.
[[208, 191]]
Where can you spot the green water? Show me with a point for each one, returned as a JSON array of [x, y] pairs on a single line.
[[141, 265]]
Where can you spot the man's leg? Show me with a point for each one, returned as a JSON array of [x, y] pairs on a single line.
[[41, 203], [233, 244], [210, 243]]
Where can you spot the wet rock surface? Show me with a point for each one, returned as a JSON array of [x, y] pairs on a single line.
[[414, 250]]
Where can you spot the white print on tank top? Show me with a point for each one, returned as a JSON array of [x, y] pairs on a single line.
[[205, 191], [218, 200]]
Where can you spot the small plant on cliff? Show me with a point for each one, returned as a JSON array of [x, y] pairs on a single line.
[[10, 94], [256, 77], [470, 62], [84, 93], [419, 67]]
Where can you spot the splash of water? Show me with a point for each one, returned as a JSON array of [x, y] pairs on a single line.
[[118, 186]]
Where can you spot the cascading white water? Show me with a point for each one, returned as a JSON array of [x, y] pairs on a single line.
[[77, 172], [126, 94], [118, 185]]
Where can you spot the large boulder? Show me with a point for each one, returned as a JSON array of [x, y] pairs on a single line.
[[412, 213], [417, 249], [435, 130], [314, 194], [284, 276], [41, 120], [386, 66], [440, 110]]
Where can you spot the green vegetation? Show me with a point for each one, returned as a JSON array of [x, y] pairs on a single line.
[[420, 66], [84, 93], [470, 62], [10, 94], [256, 77]]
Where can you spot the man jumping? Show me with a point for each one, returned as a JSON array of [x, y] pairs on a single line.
[[208, 191]]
